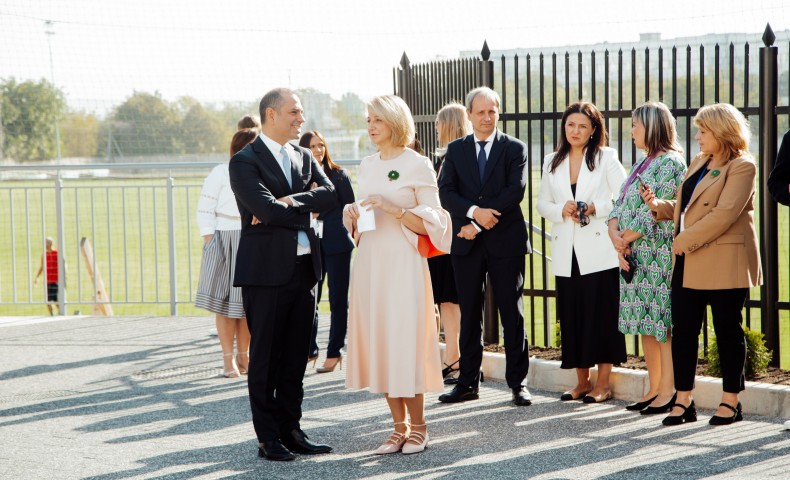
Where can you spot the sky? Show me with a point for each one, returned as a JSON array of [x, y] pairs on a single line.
[[104, 50]]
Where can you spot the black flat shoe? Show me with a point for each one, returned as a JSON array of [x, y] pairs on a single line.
[[522, 397], [635, 407], [274, 450], [459, 393], [662, 409], [736, 417], [297, 441], [568, 396], [689, 415]]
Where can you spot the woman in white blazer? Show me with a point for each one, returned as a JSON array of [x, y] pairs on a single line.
[[577, 190]]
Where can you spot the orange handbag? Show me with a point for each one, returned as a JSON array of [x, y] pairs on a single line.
[[427, 248]]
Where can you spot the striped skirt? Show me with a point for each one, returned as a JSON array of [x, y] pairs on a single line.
[[215, 291]]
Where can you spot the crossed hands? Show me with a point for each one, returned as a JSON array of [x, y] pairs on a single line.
[[287, 200]]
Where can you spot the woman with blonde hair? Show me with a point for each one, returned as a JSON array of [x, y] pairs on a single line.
[[716, 253], [392, 338], [644, 298], [452, 123]]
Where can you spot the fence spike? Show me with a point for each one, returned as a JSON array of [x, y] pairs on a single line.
[[404, 60], [768, 37], [485, 52]]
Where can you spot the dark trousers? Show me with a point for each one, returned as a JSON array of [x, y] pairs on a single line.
[[688, 312], [507, 281], [338, 268], [280, 319]]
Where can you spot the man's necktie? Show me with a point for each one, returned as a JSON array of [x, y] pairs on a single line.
[[286, 166], [481, 158]]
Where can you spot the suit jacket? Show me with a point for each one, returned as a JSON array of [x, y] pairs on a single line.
[[267, 251], [594, 249], [502, 188], [780, 175], [719, 240], [336, 238]]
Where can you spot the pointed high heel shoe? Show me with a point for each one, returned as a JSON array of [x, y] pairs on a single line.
[[689, 415], [662, 409], [737, 415], [243, 370], [449, 373], [327, 368], [312, 359], [411, 446], [234, 372], [638, 406], [395, 441]]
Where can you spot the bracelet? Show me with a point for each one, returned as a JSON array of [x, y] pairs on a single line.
[[402, 213]]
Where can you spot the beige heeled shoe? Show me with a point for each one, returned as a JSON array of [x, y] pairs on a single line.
[[410, 447], [234, 372], [243, 370], [335, 362], [312, 359], [395, 441]]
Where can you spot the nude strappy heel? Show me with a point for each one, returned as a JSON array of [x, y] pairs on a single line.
[[395, 441], [409, 447]]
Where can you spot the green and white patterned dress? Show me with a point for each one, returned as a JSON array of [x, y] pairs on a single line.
[[645, 306]]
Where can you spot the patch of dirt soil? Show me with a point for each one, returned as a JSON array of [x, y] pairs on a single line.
[[772, 375]]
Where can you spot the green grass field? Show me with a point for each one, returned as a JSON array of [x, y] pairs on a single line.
[[126, 221]]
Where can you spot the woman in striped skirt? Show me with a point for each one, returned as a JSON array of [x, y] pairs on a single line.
[[220, 226]]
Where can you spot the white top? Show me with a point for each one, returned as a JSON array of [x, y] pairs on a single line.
[[594, 249], [217, 208]]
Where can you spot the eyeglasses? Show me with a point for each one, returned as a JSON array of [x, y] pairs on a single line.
[[584, 220]]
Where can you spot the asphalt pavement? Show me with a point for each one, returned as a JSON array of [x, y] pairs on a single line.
[[143, 397]]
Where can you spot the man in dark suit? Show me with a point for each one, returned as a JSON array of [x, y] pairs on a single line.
[[482, 184], [277, 268]]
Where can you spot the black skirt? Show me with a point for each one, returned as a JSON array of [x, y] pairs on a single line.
[[588, 308], [442, 279]]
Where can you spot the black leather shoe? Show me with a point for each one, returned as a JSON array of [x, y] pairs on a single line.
[[638, 406], [297, 441], [522, 397], [662, 409], [459, 393], [274, 450], [737, 415], [689, 415]]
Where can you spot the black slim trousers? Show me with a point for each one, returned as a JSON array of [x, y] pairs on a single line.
[[688, 313]]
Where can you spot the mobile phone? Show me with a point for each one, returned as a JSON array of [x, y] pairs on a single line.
[[641, 180]]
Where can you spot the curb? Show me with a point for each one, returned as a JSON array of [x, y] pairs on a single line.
[[629, 385]]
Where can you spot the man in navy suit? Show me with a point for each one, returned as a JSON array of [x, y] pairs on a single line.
[[277, 268], [482, 184]]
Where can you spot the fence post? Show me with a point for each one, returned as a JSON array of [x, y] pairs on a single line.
[[61, 232], [171, 240], [404, 82], [490, 318], [769, 292]]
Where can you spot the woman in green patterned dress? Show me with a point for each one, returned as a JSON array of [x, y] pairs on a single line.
[[644, 301]]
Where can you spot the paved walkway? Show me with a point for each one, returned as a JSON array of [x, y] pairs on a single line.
[[141, 397]]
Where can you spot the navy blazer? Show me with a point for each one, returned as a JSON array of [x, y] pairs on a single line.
[[501, 188], [336, 238], [267, 251]]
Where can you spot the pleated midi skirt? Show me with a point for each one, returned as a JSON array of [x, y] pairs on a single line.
[[215, 291]]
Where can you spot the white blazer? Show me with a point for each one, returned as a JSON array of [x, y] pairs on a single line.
[[594, 249]]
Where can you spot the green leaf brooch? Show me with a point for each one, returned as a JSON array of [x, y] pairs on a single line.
[[393, 175]]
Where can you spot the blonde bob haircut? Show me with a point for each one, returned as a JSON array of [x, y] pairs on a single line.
[[660, 132], [728, 126], [452, 123], [396, 114]]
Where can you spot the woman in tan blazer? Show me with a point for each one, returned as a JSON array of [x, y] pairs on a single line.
[[717, 257]]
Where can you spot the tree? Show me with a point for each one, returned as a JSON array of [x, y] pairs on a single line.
[[351, 112], [201, 129], [79, 134], [28, 112], [145, 124]]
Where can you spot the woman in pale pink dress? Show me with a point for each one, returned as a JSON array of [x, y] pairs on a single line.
[[392, 337]]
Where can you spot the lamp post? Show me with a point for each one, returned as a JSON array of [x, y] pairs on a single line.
[[49, 31]]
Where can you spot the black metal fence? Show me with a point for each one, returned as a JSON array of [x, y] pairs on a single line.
[[536, 90]]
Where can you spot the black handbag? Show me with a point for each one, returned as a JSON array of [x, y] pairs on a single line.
[[629, 275]]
